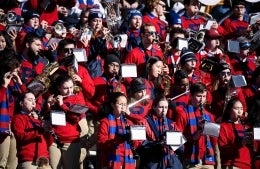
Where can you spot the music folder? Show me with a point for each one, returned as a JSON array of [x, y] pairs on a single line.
[[79, 109]]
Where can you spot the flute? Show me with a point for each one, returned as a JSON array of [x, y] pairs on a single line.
[[134, 103]]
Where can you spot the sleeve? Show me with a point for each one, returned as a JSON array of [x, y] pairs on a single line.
[[88, 87], [181, 121], [103, 137], [21, 130]]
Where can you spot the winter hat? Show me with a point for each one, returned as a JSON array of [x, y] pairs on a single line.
[[132, 13], [187, 55], [29, 15], [111, 58], [212, 34], [94, 14], [223, 66], [137, 84], [174, 18]]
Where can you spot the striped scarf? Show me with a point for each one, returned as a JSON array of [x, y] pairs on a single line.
[[4, 112], [115, 159], [160, 126], [208, 157]]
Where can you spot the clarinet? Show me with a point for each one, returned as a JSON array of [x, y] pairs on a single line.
[[129, 141], [56, 139], [52, 132]]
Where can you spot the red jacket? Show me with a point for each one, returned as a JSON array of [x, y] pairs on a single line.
[[88, 87], [70, 132], [232, 152], [160, 26], [31, 143], [103, 88], [139, 56]]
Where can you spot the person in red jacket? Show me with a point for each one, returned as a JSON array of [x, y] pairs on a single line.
[[139, 55], [154, 16], [106, 84], [137, 91], [199, 150], [66, 154], [238, 23], [11, 87], [29, 133], [234, 151], [113, 142]]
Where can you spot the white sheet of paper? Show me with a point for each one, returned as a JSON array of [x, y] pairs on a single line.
[[211, 129], [128, 70], [174, 138], [53, 40], [124, 40], [182, 43], [233, 46], [138, 132], [209, 24], [58, 118], [80, 54], [257, 133]]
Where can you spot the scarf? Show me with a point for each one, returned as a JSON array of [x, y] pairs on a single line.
[[114, 158], [208, 157], [4, 115]]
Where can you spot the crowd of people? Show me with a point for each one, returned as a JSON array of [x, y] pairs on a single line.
[[192, 75]]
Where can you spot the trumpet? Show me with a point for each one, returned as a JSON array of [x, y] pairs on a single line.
[[57, 28]]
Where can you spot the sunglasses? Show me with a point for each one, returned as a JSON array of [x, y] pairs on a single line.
[[225, 73], [245, 45], [152, 33]]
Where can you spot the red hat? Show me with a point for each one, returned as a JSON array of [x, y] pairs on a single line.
[[212, 34]]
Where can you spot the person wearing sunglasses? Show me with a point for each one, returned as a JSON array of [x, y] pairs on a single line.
[[243, 62], [156, 9], [222, 92], [140, 54]]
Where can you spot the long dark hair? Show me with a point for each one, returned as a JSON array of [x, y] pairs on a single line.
[[230, 104], [106, 107]]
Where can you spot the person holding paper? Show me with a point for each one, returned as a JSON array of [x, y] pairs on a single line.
[[154, 152], [29, 132], [234, 143], [147, 48], [115, 146], [223, 91], [68, 134], [199, 150]]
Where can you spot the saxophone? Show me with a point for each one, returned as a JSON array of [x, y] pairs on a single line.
[[71, 72], [166, 79], [41, 83]]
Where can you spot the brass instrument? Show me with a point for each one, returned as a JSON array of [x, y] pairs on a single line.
[[41, 83], [71, 72], [113, 15], [166, 79]]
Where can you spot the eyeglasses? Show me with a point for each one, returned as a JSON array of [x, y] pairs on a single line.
[[121, 104], [114, 65], [152, 33], [67, 50], [164, 6], [225, 73]]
